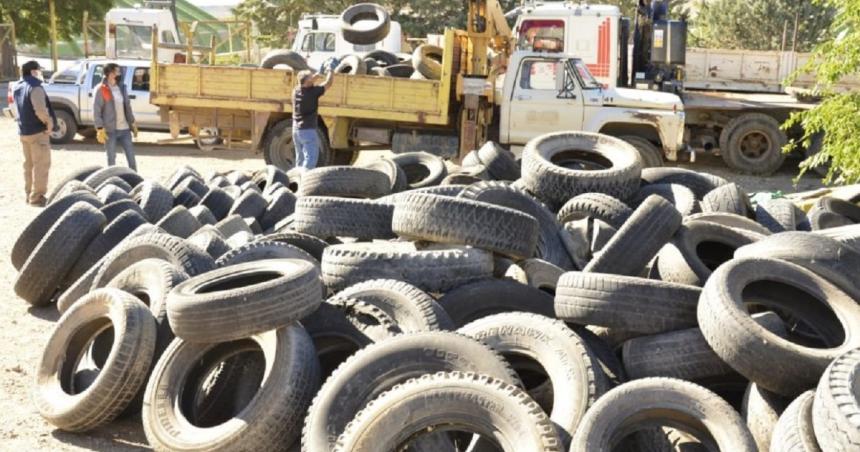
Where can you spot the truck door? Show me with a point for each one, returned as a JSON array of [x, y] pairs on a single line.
[[540, 102], [91, 80], [145, 113]]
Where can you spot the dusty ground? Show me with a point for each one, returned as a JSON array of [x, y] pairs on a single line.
[[26, 330]]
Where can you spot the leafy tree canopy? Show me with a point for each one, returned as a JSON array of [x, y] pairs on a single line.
[[32, 21]]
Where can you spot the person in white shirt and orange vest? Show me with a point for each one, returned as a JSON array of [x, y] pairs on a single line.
[[113, 117]]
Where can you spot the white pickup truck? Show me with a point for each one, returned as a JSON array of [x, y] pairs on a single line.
[[71, 94]]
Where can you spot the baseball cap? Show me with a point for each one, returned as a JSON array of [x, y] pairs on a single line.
[[31, 65]]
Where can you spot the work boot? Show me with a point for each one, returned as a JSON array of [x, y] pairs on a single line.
[[39, 202]]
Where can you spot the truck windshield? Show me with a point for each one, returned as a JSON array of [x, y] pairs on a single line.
[[133, 41], [588, 80], [69, 75]]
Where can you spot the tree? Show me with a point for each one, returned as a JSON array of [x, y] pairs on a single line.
[[759, 24], [32, 21], [838, 115]]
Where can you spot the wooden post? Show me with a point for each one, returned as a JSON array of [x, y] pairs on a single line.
[[248, 41], [212, 50], [153, 70], [53, 29]]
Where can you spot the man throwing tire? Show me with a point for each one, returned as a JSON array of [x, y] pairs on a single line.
[[305, 117]]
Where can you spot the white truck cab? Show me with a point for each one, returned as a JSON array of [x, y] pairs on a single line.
[[128, 33], [547, 92], [319, 38]]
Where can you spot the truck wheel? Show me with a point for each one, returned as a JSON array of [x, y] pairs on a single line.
[[278, 146], [650, 155], [752, 143], [67, 127]]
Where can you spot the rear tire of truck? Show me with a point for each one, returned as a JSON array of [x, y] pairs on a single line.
[[649, 154], [278, 146], [752, 143], [67, 127]]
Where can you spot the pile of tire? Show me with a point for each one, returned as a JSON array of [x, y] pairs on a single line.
[[425, 62], [567, 301]]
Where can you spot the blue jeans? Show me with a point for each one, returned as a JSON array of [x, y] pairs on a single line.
[[124, 139], [307, 145]]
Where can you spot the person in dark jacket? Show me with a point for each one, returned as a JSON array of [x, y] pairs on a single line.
[[36, 120], [113, 117], [306, 96]]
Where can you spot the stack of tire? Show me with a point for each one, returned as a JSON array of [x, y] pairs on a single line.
[[572, 301], [425, 62]]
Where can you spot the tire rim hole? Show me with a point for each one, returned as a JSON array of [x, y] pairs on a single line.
[[808, 320], [225, 380], [713, 253], [546, 288], [238, 281], [581, 160], [645, 423], [332, 351], [88, 351], [416, 173], [534, 377]]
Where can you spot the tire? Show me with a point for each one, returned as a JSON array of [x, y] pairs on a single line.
[[380, 367], [480, 299], [313, 245], [752, 143], [283, 56], [595, 205], [394, 172], [440, 219], [155, 200], [500, 162], [242, 300], [115, 209], [779, 215], [836, 406], [344, 181], [122, 374], [180, 174], [384, 58], [351, 64], [555, 184], [728, 198], [114, 233], [325, 216], [278, 149], [700, 183], [680, 196], [427, 61], [829, 258], [662, 400], [282, 204], [185, 198], [117, 182], [840, 207], [541, 274], [436, 270], [411, 309], [179, 222], [572, 372], [549, 245], [401, 70], [364, 36], [821, 219], [271, 419], [127, 174], [422, 169], [773, 363], [218, 202], [639, 305], [269, 176], [649, 227], [67, 127], [55, 255], [729, 220], [505, 412], [649, 154], [249, 205], [760, 410], [209, 239], [847, 235], [36, 230], [73, 186], [697, 249], [79, 175], [794, 430], [684, 353], [203, 215], [110, 193], [262, 250]]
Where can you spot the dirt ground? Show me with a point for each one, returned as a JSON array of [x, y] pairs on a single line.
[[25, 330]]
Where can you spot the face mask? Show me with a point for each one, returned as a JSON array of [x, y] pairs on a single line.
[[118, 78]]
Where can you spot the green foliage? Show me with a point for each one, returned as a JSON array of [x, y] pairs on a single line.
[[32, 22], [838, 115], [759, 24]]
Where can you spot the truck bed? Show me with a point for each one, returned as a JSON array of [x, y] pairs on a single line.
[[718, 100]]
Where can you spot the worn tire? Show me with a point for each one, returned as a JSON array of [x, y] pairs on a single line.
[[115, 232], [794, 432], [120, 377], [262, 250], [282, 204], [630, 249], [480, 299], [79, 175], [761, 409], [395, 173], [699, 182], [412, 309], [650, 155], [779, 215], [210, 239], [110, 193], [680, 196], [437, 270], [284, 56], [242, 300], [662, 399], [47, 266], [633, 304], [422, 169], [595, 205], [479, 403], [836, 405], [325, 216], [776, 364], [218, 202], [427, 61], [179, 222], [250, 204], [123, 172], [500, 162], [345, 181], [155, 200], [730, 220], [270, 420], [364, 36], [727, 198], [313, 245], [617, 174], [461, 221], [113, 210]]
